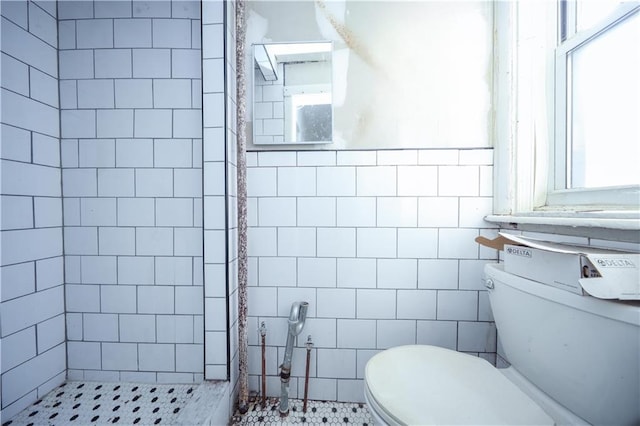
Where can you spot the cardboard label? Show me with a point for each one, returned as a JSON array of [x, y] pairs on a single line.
[[614, 263], [606, 274], [519, 251]]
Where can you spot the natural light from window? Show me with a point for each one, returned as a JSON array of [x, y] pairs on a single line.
[[590, 12], [604, 108]]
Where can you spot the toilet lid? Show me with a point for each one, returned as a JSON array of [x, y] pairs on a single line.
[[425, 385]]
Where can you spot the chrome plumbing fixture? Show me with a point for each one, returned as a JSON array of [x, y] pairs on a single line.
[[297, 316]]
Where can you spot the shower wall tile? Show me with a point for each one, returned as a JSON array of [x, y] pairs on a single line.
[[28, 48], [186, 63], [46, 150], [47, 212], [15, 75], [133, 188], [19, 280], [76, 64], [15, 143], [17, 212], [380, 243], [30, 113], [187, 124], [152, 63], [218, 144], [94, 33], [113, 63], [32, 310]]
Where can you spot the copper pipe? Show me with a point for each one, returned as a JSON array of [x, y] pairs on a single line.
[[263, 335], [306, 374]]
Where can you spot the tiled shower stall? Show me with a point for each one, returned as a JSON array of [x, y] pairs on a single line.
[[105, 253]]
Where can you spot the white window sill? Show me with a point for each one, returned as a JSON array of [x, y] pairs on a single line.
[[602, 219]]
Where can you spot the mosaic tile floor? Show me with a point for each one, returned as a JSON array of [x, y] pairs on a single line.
[[93, 403], [319, 413]]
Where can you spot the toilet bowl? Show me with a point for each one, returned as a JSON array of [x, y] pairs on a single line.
[[574, 360], [418, 385]]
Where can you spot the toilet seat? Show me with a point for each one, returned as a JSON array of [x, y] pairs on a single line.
[[424, 385]]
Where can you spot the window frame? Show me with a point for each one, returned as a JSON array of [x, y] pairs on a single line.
[[569, 39], [524, 114]]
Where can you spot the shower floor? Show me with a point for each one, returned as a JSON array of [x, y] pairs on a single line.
[[99, 403], [319, 413]]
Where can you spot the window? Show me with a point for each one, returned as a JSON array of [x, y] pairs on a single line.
[[567, 113], [597, 104]]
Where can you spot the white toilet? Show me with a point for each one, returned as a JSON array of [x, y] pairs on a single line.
[[574, 360]]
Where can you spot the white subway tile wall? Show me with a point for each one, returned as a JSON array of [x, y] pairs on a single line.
[[381, 244], [131, 134], [219, 157], [32, 306]]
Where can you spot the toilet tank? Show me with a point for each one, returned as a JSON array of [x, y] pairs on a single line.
[[581, 351]]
